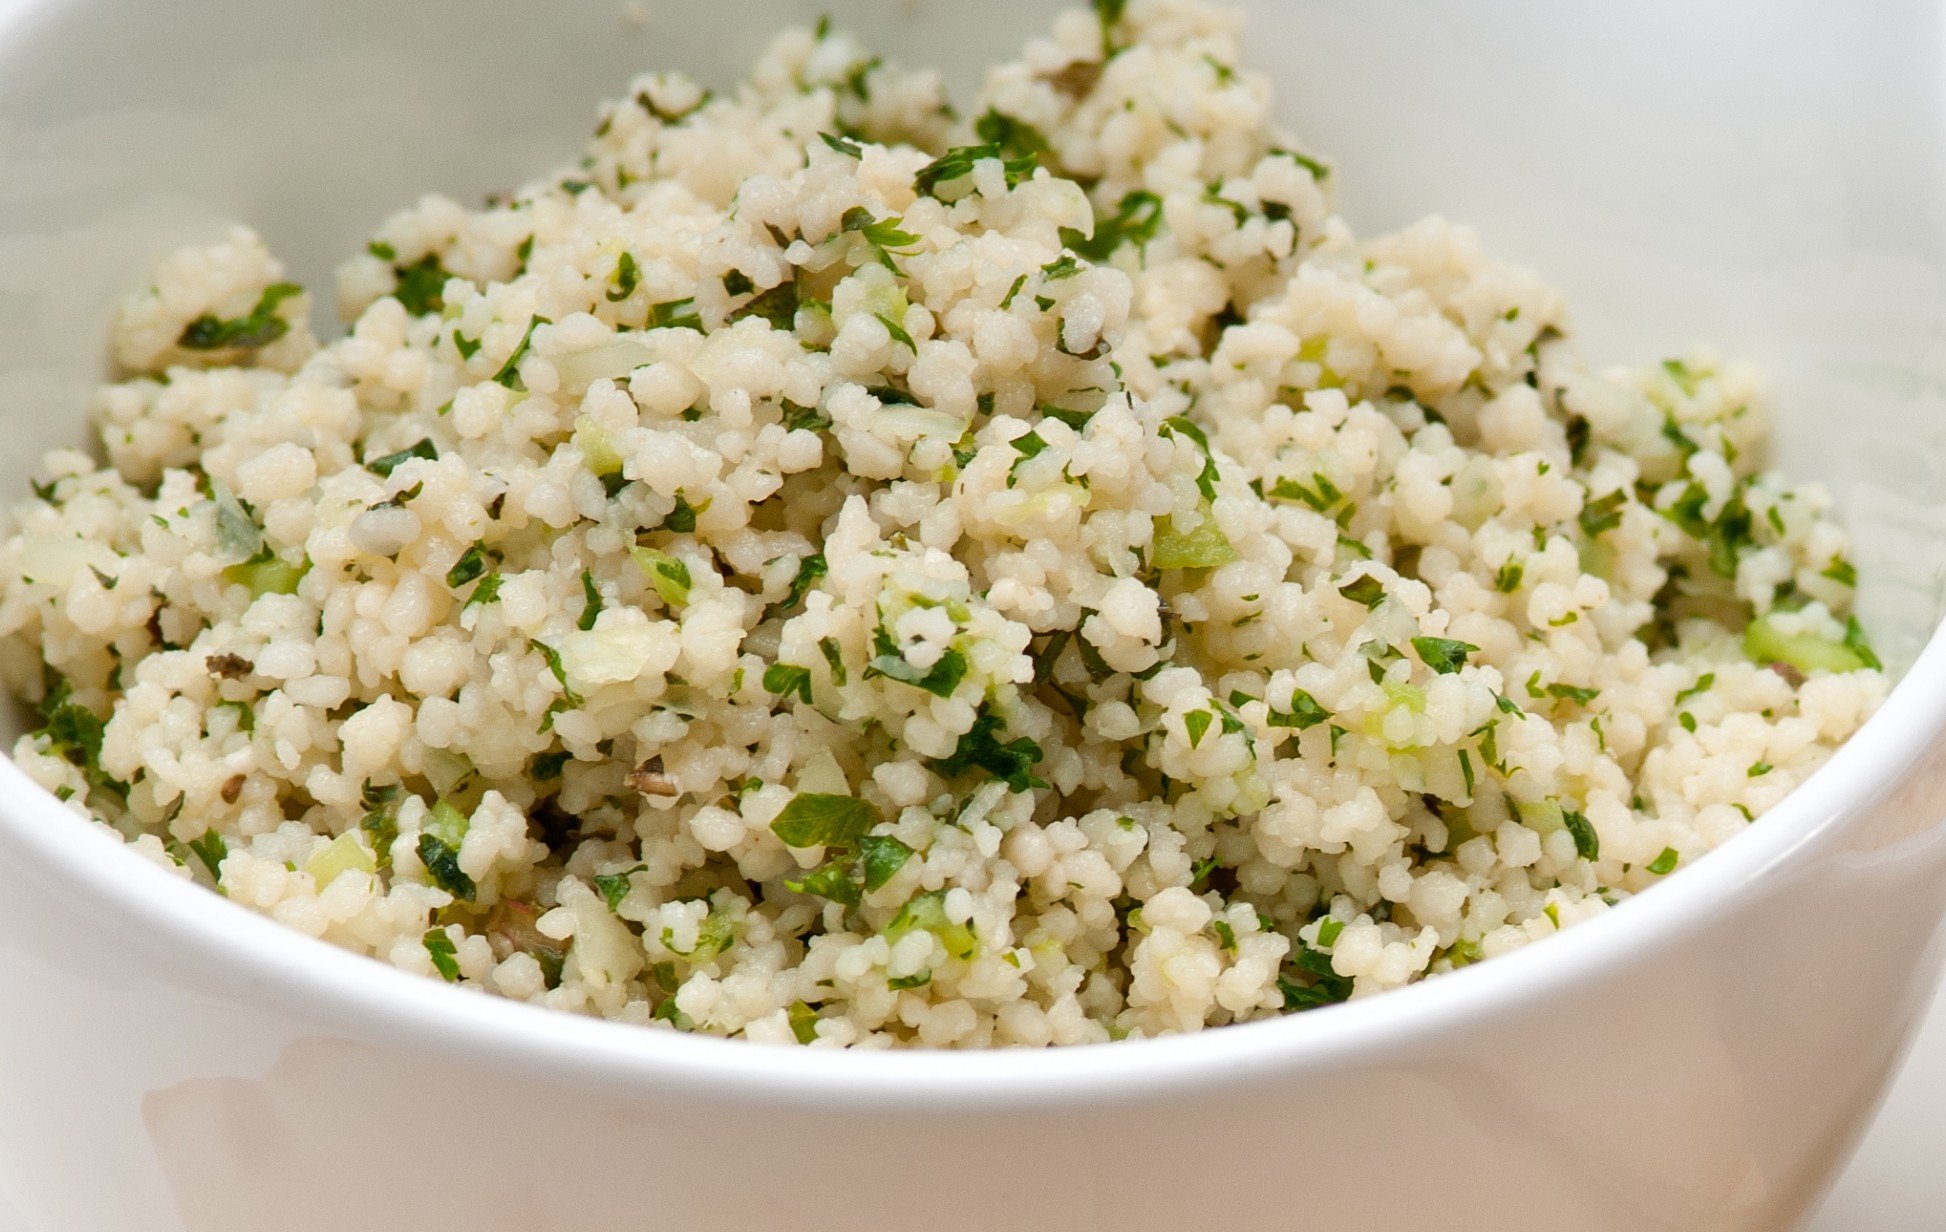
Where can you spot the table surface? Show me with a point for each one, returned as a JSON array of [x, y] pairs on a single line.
[[1895, 1184]]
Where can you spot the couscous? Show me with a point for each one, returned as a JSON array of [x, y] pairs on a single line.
[[831, 568]]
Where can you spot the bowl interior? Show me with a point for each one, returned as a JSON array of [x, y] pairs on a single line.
[[1684, 171]]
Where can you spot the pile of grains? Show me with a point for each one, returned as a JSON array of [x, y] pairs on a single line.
[[830, 569]]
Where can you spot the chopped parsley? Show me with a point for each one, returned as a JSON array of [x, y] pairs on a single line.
[[957, 163], [471, 564], [614, 887], [1015, 138], [1135, 221], [210, 849], [73, 733], [1443, 655], [260, 327], [940, 679], [880, 858], [1703, 684], [844, 145], [882, 234], [898, 332], [442, 865], [440, 948], [1207, 477], [509, 374], [590, 602], [421, 286], [1572, 693], [784, 679], [383, 467], [1195, 724], [823, 819], [553, 657], [809, 570], [1364, 589], [1305, 712], [627, 276], [1604, 513], [1586, 844], [980, 749], [675, 314], [486, 592]]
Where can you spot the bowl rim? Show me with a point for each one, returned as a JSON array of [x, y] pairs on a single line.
[[321, 987]]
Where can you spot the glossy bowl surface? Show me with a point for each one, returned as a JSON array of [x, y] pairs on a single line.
[[1701, 1058]]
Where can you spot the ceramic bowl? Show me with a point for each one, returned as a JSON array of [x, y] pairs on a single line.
[[1701, 1058]]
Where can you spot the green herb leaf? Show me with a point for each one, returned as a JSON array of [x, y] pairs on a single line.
[[957, 163], [682, 518], [1012, 763], [210, 848], [509, 374], [1015, 138], [1604, 513], [1586, 844], [778, 305], [1364, 589], [1703, 685], [823, 819], [1443, 655], [442, 865], [486, 592], [1842, 572], [881, 856], [1665, 863], [844, 145], [1573, 693], [940, 679], [675, 314], [1305, 712], [383, 467], [553, 658], [1195, 724], [261, 327], [1856, 643], [1135, 221], [883, 234], [928, 911], [804, 1022], [809, 570], [784, 679], [1206, 479], [471, 564], [421, 286], [590, 602], [834, 658], [627, 276], [898, 332], [830, 880], [440, 948]]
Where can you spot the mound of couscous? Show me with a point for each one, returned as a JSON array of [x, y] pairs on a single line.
[[830, 568]]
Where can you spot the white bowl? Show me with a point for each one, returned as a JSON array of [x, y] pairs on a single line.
[[1702, 1057]]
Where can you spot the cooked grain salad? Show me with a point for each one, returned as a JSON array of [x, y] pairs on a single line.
[[834, 568]]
